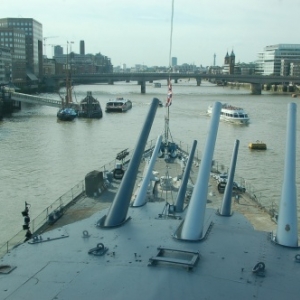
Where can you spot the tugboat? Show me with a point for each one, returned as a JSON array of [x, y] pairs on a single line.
[[90, 108]]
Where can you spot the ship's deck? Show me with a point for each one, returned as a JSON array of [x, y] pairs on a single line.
[[86, 206], [76, 259]]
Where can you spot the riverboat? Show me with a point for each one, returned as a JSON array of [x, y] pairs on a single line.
[[90, 108], [157, 84], [231, 114], [118, 105]]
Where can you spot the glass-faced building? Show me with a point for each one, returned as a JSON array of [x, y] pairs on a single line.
[[5, 64], [33, 31], [58, 50], [270, 60], [14, 40]]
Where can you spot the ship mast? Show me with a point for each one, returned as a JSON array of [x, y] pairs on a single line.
[[68, 98], [170, 93]]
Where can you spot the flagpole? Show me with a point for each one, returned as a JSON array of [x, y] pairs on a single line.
[[170, 93]]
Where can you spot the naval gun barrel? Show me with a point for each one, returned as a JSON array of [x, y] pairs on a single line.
[[182, 189], [141, 197], [118, 210], [225, 209], [192, 228], [287, 226]]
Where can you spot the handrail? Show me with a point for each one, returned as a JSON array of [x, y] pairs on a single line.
[[35, 99]]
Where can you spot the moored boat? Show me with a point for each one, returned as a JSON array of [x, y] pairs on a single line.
[[66, 114], [118, 105], [231, 114], [90, 108]]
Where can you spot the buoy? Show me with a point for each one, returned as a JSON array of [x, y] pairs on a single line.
[[258, 145]]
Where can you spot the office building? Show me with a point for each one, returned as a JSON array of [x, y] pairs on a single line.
[[33, 42], [5, 64], [81, 47], [58, 50], [14, 41], [271, 60], [174, 61]]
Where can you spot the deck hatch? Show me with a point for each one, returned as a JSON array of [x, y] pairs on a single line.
[[175, 256], [6, 269]]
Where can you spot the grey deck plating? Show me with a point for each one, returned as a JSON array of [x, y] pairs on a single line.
[[63, 269]]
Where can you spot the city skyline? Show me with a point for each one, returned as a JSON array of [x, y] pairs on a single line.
[[131, 33]]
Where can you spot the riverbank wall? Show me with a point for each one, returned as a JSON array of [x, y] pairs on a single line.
[[291, 90]]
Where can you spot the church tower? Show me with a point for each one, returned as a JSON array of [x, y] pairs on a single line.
[[226, 59], [231, 61]]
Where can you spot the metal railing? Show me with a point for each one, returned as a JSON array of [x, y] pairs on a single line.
[[35, 99], [42, 218], [58, 206]]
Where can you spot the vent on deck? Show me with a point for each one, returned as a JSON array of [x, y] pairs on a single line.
[[187, 259]]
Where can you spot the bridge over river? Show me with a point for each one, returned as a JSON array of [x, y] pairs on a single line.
[[256, 81]]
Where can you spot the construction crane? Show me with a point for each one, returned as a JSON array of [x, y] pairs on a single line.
[[45, 39], [52, 45]]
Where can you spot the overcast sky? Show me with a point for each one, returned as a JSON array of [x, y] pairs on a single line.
[[138, 31]]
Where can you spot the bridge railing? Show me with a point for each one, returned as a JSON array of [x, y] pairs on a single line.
[[35, 99]]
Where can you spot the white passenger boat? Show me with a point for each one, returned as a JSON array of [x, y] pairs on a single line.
[[231, 114], [118, 105]]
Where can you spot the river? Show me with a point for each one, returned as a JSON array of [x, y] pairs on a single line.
[[42, 158]]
